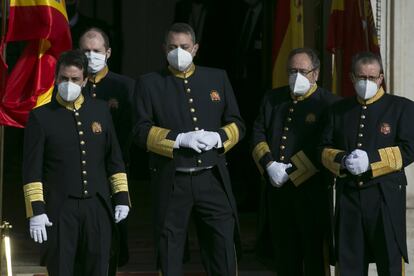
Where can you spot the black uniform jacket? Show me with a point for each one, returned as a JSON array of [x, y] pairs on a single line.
[[71, 150], [117, 90], [287, 130], [381, 126], [170, 102]]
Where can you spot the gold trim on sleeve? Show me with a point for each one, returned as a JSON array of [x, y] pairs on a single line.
[[232, 132], [328, 160], [258, 152], [32, 192], [304, 168], [391, 161], [119, 183], [157, 142]]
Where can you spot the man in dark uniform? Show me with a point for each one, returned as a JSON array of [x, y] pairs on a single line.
[[367, 143], [188, 118], [294, 207], [72, 167], [116, 90]]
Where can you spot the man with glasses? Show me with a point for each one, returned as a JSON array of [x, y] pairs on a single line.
[[367, 143], [295, 210]]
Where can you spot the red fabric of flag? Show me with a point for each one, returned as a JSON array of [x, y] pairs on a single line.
[[44, 25]]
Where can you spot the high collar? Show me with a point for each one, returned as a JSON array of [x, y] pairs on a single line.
[[95, 78], [372, 100], [306, 95], [75, 105], [183, 75]]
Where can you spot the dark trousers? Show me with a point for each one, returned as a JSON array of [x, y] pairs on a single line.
[[202, 193], [83, 239], [365, 234], [296, 230]]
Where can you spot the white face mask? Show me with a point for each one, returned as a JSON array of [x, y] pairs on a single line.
[[366, 89], [69, 91], [179, 59], [299, 84], [96, 61]]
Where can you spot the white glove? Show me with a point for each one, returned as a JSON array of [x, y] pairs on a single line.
[[38, 227], [121, 212], [190, 140], [277, 173], [357, 162], [210, 139]]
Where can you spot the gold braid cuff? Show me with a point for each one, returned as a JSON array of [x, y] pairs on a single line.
[[157, 142], [232, 132]]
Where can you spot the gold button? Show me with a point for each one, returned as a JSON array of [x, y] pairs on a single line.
[[284, 137], [83, 152], [362, 117], [82, 142], [289, 119], [83, 162], [85, 182], [85, 192], [81, 132], [360, 135], [195, 119], [94, 95], [282, 147], [84, 172], [79, 123], [94, 85], [361, 126], [196, 128], [286, 128], [188, 90], [295, 102], [192, 110], [359, 145], [360, 183], [185, 81], [282, 158], [199, 161], [291, 110], [364, 107], [190, 100], [76, 113]]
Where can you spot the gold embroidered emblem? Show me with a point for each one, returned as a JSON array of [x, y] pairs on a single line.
[[385, 128], [215, 96], [113, 103], [96, 128], [310, 118]]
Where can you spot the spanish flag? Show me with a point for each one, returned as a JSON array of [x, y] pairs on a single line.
[[288, 35], [44, 26], [351, 30]]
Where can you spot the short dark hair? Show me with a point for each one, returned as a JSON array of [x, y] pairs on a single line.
[[99, 31], [73, 58], [180, 28], [365, 58], [316, 63]]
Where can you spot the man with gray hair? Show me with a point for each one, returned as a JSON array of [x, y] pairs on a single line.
[[294, 217], [367, 143]]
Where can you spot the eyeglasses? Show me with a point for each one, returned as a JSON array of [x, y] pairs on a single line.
[[370, 78], [304, 72]]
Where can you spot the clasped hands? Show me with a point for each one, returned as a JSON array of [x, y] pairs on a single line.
[[356, 162], [199, 140]]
